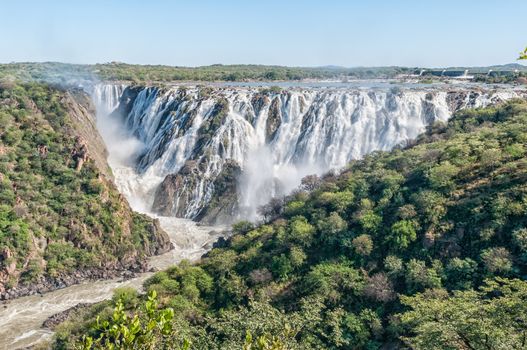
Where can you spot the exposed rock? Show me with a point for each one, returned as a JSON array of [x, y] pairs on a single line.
[[79, 154], [6, 258], [172, 195], [209, 127], [258, 102], [126, 102], [175, 192], [429, 109], [163, 243], [274, 120], [223, 205], [456, 100], [54, 320], [90, 144], [48, 284]]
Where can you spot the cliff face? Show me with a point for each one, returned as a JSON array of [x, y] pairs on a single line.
[[82, 113], [62, 219], [222, 200]]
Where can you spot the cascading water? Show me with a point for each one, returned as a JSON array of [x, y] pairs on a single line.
[[274, 137]]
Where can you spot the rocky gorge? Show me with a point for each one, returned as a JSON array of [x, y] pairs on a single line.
[[216, 154]]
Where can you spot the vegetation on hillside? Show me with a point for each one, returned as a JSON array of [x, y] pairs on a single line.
[[58, 214], [424, 246]]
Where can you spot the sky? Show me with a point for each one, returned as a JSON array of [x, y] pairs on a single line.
[[348, 33]]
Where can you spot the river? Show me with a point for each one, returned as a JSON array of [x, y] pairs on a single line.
[[21, 319]]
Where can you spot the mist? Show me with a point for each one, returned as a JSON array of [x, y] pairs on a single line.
[[264, 178], [123, 149]]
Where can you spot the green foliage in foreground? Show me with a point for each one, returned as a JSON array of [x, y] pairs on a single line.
[[56, 219], [422, 247], [152, 331]]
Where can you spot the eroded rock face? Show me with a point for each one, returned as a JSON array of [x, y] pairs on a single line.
[[273, 120], [259, 101], [175, 192], [222, 207], [90, 144], [172, 195], [456, 99]]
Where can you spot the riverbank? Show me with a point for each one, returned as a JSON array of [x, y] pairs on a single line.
[[21, 319]]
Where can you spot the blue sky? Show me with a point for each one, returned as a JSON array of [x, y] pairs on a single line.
[[295, 33]]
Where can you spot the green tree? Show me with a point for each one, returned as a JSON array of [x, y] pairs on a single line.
[[419, 276], [441, 176], [363, 245], [403, 233], [301, 231], [461, 273], [334, 281], [151, 330], [497, 260]]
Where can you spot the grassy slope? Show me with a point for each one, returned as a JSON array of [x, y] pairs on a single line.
[[55, 220]]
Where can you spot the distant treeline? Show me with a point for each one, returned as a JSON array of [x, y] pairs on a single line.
[[115, 71], [129, 72], [120, 71]]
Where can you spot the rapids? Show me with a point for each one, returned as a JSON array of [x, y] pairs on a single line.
[[21, 319]]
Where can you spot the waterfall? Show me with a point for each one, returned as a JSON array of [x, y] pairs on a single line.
[[183, 137], [107, 97]]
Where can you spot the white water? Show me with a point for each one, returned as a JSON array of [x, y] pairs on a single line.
[[190, 241], [320, 129]]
